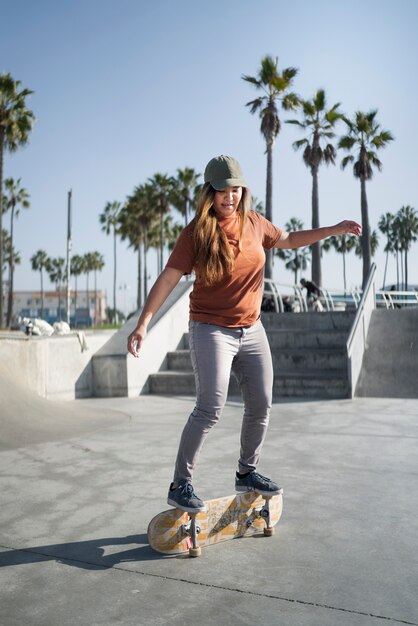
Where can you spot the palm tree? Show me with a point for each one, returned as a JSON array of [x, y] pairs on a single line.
[[10, 257], [257, 205], [318, 123], [163, 186], [374, 244], [184, 191], [366, 137], [88, 265], [40, 262], [109, 220], [77, 268], [385, 226], [14, 198], [341, 244], [275, 87], [57, 272], [173, 234], [16, 122], [396, 246], [297, 258], [97, 264], [408, 232], [136, 219]]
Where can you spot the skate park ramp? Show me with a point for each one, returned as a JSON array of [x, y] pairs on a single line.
[[390, 363], [27, 419]]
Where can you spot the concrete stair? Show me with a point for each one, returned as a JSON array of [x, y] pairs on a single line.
[[308, 351]]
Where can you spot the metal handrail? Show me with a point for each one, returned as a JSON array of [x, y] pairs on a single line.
[[274, 291], [360, 309], [300, 296], [392, 298]]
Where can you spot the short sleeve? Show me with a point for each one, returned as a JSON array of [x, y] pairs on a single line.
[[183, 256], [271, 234]]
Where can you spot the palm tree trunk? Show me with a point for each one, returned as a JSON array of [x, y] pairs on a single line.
[[161, 241], [1, 222], [75, 303], [269, 206], [87, 292], [402, 274], [186, 217], [397, 270], [139, 293], [10, 294], [365, 237], [406, 269], [145, 265], [114, 275], [42, 294], [59, 300], [316, 247], [386, 267], [95, 298], [11, 271], [344, 274]]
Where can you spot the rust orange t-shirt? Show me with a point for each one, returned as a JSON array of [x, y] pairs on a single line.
[[236, 299]]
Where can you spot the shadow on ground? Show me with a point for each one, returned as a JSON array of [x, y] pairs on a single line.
[[93, 554]]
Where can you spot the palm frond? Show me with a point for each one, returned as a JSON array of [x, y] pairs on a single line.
[[347, 142], [319, 100], [329, 154], [252, 80], [346, 160], [298, 144], [333, 116], [374, 160], [296, 123], [290, 102], [308, 108], [382, 139], [289, 74], [255, 104]]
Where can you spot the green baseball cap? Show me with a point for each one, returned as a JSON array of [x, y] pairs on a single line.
[[224, 171]]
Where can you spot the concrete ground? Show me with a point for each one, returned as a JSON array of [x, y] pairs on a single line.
[[75, 501]]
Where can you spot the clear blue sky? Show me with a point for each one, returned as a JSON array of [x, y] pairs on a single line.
[[127, 88]]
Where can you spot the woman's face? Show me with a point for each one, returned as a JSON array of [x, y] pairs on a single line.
[[226, 201]]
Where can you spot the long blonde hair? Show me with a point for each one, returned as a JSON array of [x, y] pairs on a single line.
[[214, 255]]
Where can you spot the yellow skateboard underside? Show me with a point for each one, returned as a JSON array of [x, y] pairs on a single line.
[[225, 518]]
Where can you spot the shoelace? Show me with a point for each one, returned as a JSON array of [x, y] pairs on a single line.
[[262, 478], [188, 490]]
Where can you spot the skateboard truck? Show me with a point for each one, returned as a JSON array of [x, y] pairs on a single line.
[[191, 531], [265, 514]]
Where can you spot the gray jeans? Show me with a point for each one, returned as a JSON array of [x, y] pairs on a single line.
[[216, 350]]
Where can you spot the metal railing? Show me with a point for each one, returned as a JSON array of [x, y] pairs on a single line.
[[271, 289], [395, 299], [279, 292], [356, 342]]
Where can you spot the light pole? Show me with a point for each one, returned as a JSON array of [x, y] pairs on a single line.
[[69, 256]]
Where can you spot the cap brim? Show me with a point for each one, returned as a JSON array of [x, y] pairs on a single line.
[[227, 182]]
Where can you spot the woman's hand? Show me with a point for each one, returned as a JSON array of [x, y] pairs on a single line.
[[346, 227], [135, 340]]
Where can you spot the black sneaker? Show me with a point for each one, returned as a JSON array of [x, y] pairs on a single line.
[[255, 482], [184, 498]]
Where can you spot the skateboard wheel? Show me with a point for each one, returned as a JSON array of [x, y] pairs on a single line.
[[268, 532], [195, 552]]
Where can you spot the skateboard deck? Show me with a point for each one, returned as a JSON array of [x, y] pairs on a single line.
[[177, 532]]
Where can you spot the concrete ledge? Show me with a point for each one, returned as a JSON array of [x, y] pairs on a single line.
[[118, 374], [53, 367]]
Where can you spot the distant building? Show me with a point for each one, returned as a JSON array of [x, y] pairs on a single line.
[[28, 304]]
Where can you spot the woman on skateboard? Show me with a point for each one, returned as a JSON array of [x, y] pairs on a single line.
[[224, 246]]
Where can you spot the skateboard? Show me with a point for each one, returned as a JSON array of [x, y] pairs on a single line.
[[240, 515]]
